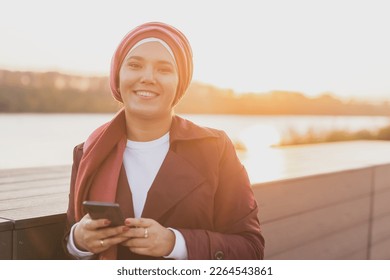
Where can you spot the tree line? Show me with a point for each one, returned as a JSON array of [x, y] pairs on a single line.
[[53, 92]]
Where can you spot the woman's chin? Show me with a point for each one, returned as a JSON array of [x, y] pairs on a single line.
[[147, 113]]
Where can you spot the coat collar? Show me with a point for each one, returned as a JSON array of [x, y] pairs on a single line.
[[182, 129]]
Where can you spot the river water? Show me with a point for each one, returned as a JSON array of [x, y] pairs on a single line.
[[30, 140]]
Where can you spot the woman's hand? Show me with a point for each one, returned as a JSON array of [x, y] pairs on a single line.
[[95, 236], [148, 237]]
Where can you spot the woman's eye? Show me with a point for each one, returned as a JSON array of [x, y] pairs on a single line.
[[165, 70], [133, 65]]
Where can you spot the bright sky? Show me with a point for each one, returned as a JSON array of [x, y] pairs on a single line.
[[339, 46]]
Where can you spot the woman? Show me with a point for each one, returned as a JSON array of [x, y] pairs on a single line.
[[182, 188]]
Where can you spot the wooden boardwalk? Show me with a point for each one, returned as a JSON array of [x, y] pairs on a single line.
[[323, 201], [329, 201], [33, 202]]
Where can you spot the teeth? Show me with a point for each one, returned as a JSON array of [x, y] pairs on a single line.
[[145, 93]]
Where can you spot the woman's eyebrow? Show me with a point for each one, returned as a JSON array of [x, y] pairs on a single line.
[[165, 62], [135, 57], [142, 59]]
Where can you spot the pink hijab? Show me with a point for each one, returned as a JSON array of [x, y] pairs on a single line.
[[172, 37], [101, 162]]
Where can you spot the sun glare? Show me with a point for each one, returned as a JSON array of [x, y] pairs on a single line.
[[262, 162], [260, 136]]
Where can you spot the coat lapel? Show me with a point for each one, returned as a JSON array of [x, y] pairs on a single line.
[[124, 196], [175, 179]]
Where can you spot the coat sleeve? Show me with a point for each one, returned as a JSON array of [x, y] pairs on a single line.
[[77, 154], [237, 229]]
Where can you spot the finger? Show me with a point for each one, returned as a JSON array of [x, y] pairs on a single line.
[[136, 233], [99, 246], [91, 224], [141, 222], [102, 244], [113, 231], [108, 242]]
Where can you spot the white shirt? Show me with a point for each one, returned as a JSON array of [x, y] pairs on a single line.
[[142, 161]]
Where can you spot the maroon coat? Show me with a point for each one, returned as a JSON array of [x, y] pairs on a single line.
[[202, 190]]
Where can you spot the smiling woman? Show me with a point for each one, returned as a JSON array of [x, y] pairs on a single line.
[[181, 187]]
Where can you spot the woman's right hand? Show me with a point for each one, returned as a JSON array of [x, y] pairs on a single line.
[[95, 236]]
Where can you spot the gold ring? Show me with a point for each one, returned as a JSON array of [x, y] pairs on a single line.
[[101, 243], [146, 233]]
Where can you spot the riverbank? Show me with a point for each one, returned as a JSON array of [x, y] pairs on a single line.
[[313, 136]]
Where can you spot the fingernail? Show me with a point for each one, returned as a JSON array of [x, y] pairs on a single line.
[[107, 222], [127, 223]]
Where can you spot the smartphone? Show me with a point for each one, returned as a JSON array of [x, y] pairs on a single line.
[[104, 210]]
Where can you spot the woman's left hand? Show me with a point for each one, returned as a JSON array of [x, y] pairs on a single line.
[[148, 237]]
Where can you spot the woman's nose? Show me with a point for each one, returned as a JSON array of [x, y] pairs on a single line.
[[148, 75]]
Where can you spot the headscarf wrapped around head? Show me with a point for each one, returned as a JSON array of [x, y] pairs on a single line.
[[176, 41]]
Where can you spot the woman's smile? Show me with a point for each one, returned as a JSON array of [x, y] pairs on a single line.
[[146, 94]]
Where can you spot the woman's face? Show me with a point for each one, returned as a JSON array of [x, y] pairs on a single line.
[[148, 81]]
